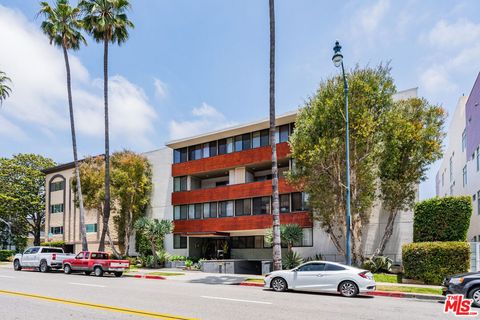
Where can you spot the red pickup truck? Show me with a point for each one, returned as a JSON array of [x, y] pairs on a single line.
[[96, 262]]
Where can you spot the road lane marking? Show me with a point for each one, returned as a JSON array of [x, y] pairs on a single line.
[[9, 277], [87, 284], [238, 300], [98, 306]]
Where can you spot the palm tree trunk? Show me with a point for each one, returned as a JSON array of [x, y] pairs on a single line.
[[83, 232], [277, 249], [106, 207]]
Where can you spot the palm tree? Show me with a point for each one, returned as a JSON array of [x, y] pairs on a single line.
[[154, 231], [107, 22], [62, 27], [277, 249], [4, 88], [291, 234]]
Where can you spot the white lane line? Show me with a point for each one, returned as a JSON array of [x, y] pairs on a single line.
[[9, 277], [238, 300], [87, 284]]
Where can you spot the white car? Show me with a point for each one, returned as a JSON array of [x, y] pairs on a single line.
[[42, 258], [322, 276]]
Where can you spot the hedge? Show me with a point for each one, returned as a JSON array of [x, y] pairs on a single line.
[[442, 219], [432, 261], [5, 254], [56, 244]]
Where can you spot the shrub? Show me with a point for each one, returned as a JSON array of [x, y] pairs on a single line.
[[432, 261], [442, 219], [291, 260], [6, 254], [317, 257], [177, 258], [56, 244], [378, 264], [188, 263]]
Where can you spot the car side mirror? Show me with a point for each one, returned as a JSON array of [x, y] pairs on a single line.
[[295, 270]]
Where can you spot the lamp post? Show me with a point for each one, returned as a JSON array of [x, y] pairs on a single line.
[[338, 62], [9, 233]]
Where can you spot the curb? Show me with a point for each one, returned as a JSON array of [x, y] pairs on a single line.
[[251, 284], [141, 276], [396, 294]]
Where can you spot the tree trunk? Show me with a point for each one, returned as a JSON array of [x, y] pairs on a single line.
[[112, 245], [106, 207], [83, 231], [128, 224], [277, 249], [36, 232], [154, 251], [392, 215]]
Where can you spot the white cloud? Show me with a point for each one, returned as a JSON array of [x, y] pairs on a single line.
[[10, 130], [161, 90], [453, 35], [436, 79], [205, 118], [39, 96], [371, 17]]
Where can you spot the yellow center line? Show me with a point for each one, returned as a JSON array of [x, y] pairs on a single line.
[[98, 306]]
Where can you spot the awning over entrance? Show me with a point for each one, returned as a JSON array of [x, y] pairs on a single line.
[[206, 234]]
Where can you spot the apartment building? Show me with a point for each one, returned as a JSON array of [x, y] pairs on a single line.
[[459, 172]]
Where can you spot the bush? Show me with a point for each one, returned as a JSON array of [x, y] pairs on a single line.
[[317, 257], [6, 254], [442, 219], [291, 260], [178, 258], [378, 264], [433, 261], [56, 244], [188, 263]]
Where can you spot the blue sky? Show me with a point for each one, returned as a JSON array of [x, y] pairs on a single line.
[[194, 66]]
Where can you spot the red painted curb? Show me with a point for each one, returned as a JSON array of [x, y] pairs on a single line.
[[251, 284], [139, 276], [154, 277]]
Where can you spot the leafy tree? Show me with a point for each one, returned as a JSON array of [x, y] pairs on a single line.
[[154, 231], [131, 187], [22, 195], [62, 27], [412, 140], [291, 234], [107, 22], [4, 88], [318, 145]]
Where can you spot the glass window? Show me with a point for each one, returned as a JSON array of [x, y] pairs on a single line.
[[307, 240], [213, 148], [56, 230], [222, 146], [52, 250], [305, 204], [284, 133], [179, 242], [297, 201], [258, 242], [333, 267], [91, 227], [261, 205], [180, 183], [195, 152], [198, 211], [191, 211], [206, 150], [246, 141], [264, 138], [238, 143], [229, 145], [225, 209], [464, 173], [243, 207], [180, 155], [56, 208], [212, 210], [99, 255], [35, 249], [256, 139], [312, 267], [56, 186], [180, 212], [284, 203]]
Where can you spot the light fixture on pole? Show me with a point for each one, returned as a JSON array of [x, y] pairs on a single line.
[[338, 62]]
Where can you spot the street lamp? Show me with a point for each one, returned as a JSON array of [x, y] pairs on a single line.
[[338, 62], [9, 233]]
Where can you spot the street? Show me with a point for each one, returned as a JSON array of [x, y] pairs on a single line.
[[33, 295]]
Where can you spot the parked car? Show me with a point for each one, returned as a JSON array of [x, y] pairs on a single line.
[[96, 262], [467, 284], [322, 276], [43, 258]]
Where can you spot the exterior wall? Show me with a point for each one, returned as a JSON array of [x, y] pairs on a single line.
[[472, 118]]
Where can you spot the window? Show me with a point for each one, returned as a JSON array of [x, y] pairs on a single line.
[[52, 250], [35, 249], [464, 173], [222, 146], [297, 201], [443, 179], [92, 227], [243, 207], [478, 158], [238, 143], [333, 267], [180, 155], [284, 133], [284, 203], [221, 183], [246, 141], [225, 209], [464, 140], [312, 267], [307, 240], [56, 208], [478, 202], [56, 230], [56, 186], [180, 183], [256, 139], [213, 148], [179, 242], [99, 255], [206, 150], [451, 168], [248, 242], [210, 210], [195, 152], [261, 205], [195, 211], [81, 255], [180, 212]]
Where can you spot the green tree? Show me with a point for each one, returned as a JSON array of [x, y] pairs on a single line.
[[154, 231], [291, 234], [107, 22], [62, 27], [412, 140], [22, 195], [131, 188], [318, 145], [4, 88]]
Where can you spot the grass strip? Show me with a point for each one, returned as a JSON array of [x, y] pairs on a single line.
[[167, 274], [410, 289], [385, 277]]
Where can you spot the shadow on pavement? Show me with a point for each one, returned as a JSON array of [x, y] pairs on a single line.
[[219, 280], [321, 294]]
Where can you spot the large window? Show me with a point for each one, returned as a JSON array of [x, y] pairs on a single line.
[[180, 212], [210, 210], [246, 141], [238, 143], [247, 242], [284, 133], [179, 242], [195, 152], [464, 174], [284, 203], [91, 227], [56, 186], [56, 208], [260, 138], [180, 183], [56, 230], [261, 205], [297, 201], [225, 209], [243, 207], [307, 240], [180, 155], [195, 211]]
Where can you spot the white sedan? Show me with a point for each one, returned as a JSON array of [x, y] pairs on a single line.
[[322, 276]]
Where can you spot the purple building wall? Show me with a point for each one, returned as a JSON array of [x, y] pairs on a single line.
[[472, 118]]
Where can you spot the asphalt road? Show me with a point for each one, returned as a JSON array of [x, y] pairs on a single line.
[[33, 295]]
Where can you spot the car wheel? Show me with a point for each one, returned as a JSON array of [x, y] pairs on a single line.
[[348, 289], [87, 273], [44, 266], [98, 271], [279, 284], [67, 269], [475, 295], [16, 265], [118, 274]]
